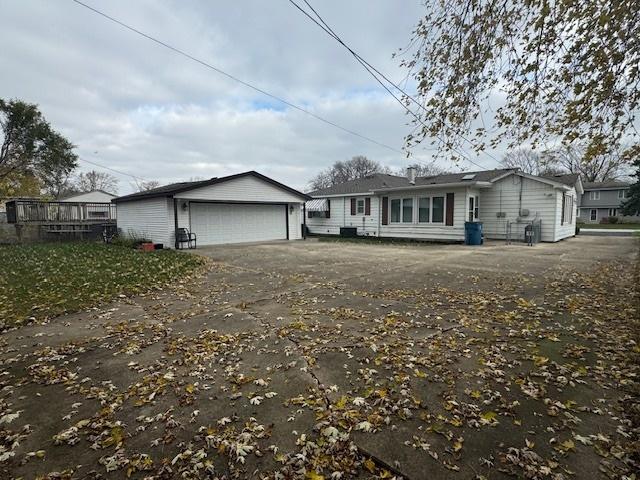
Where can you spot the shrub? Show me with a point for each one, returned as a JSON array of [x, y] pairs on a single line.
[[129, 240], [613, 219]]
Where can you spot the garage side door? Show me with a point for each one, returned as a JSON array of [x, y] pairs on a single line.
[[216, 223]]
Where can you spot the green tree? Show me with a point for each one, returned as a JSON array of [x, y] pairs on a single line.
[[631, 205], [20, 185], [557, 71], [30, 146]]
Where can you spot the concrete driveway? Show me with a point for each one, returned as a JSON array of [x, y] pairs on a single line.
[[340, 360]]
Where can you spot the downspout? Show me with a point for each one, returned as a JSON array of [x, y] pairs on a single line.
[[304, 221], [175, 222], [379, 197], [520, 198]]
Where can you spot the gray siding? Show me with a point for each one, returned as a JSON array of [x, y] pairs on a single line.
[[608, 199]]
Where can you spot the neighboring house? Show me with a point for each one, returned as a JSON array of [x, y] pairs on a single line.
[[246, 207], [602, 200], [95, 196], [436, 207], [95, 204]]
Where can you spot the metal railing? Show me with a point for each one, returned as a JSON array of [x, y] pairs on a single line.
[[33, 211]]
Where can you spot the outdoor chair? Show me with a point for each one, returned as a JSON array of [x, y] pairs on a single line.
[[184, 236]]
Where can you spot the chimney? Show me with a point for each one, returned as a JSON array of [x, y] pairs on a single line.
[[411, 174]]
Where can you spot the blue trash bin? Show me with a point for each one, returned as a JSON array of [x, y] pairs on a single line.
[[473, 233]]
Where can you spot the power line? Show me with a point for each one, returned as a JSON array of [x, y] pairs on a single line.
[[112, 169], [370, 68], [234, 78]]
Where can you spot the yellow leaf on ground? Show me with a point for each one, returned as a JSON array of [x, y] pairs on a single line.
[[370, 465]]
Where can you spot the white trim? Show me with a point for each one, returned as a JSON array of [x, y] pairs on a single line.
[[415, 206], [359, 194], [594, 194], [535, 178], [621, 187], [591, 210]]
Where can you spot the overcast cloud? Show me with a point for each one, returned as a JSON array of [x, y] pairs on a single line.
[[134, 106]]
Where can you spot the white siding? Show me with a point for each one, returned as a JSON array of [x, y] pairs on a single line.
[[537, 197], [422, 231], [148, 218], [340, 216], [295, 221], [567, 229], [331, 225], [245, 189]]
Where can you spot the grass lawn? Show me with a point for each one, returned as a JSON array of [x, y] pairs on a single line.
[[614, 226], [45, 280]]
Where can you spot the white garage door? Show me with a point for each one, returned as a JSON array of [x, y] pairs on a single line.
[[216, 223]]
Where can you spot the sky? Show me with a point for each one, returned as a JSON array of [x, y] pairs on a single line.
[[136, 107]]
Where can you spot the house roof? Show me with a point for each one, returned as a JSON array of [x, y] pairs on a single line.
[[173, 188], [381, 181], [566, 178], [603, 185], [71, 195]]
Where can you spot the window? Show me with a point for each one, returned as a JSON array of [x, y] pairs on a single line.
[[395, 210], [402, 210], [437, 215], [594, 215], [613, 212], [473, 208], [424, 208], [360, 206], [622, 194], [407, 210], [594, 195], [567, 209], [317, 214]]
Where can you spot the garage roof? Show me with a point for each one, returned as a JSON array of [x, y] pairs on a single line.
[[173, 188]]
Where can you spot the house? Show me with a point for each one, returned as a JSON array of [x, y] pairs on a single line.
[[94, 205], [94, 196], [246, 207], [437, 207], [602, 200]]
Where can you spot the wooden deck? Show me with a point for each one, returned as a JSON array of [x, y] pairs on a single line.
[[60, 213]]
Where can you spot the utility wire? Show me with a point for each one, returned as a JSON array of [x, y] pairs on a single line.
[[370, 68], [112, 169], [234, 78]]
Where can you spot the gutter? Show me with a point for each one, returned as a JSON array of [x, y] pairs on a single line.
[[436, 185], [339, 195]]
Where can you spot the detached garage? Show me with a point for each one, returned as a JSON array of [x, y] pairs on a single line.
[[247, 207]]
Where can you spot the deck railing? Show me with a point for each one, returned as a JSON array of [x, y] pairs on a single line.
[[33, 211]]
